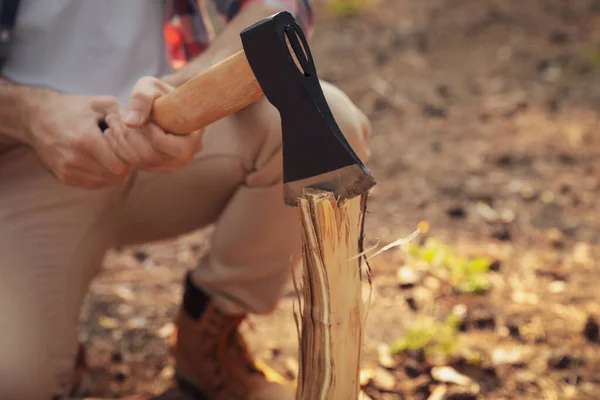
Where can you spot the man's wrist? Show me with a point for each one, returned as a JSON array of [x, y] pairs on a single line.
[[18, 106]]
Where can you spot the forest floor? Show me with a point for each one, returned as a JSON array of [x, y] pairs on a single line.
[[484, 119]]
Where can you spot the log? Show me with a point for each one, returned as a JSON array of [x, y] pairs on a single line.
[[331, 313]]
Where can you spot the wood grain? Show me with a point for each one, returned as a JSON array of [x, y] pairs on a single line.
[[224, 89], [331, 308]]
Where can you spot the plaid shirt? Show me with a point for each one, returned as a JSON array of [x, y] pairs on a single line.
[[188, 30]]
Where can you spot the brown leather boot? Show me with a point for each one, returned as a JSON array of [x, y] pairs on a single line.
[[212, 359]]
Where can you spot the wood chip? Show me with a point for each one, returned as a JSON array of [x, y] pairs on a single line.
[[450, 375], [167, 372], [292, 367], [384, 357], [507, 356], [166, 331], [363, 396], [366, 375], [124, 292], [439, 393], [383, 379]]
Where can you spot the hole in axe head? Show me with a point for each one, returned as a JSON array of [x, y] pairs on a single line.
[[297, 50]]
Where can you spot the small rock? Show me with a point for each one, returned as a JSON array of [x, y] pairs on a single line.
[[116, 357], [120, 376], [140, 256], [548, 197], [429, 110], [383, 379], [457, 212], [450, 375], [166, 331], [582, 254], [167, 372], [591, 330], [557, 287]]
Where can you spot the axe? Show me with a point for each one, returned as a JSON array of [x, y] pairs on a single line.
[[275, 63]]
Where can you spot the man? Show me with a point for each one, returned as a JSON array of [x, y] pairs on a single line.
[[69, 192]]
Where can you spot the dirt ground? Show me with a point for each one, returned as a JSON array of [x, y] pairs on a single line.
[[473, 103]]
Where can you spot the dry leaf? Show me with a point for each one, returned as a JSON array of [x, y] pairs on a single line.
[[138, 322], [107, 322]]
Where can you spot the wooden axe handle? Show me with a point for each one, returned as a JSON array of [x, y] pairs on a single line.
[[223, 89]]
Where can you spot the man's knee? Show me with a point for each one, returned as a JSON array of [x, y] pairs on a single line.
[[263, 123], [26, 370], [353, 123]]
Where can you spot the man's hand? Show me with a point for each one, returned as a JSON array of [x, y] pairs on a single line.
[[143, 144], [65, 134]]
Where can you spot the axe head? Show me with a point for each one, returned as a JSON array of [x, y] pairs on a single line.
[[315, 152]]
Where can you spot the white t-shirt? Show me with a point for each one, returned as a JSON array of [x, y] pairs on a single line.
[[89, 47]]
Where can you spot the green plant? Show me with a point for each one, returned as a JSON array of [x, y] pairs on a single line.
[[434, 337], [348, 7], [467, 275]]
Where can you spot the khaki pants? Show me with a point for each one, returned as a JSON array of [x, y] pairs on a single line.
[[53, 237]]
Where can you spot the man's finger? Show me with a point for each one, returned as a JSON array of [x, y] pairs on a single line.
[[104, 154], [122, 150], [105, 105], [138, 140], [145, 91], [176, 146]]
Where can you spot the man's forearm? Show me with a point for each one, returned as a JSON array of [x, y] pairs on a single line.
[[225, 44], [17, 103]]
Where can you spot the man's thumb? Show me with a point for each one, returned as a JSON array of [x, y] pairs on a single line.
[[138, 110]]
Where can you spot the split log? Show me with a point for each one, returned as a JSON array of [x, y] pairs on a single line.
[[332, 312]]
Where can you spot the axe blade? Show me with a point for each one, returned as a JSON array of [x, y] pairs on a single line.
[[316, 153]]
